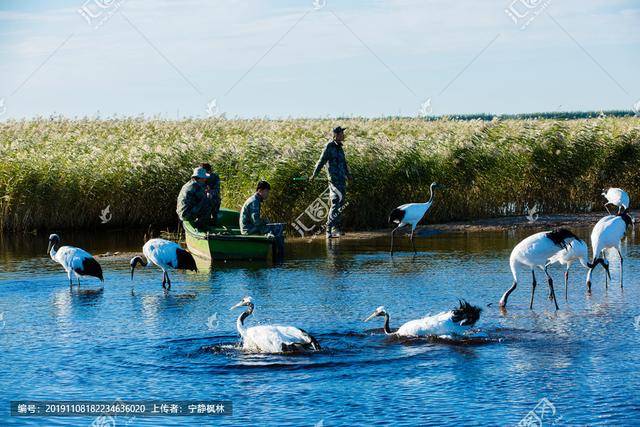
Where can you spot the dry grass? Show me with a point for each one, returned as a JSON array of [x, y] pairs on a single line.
[[60, 173]]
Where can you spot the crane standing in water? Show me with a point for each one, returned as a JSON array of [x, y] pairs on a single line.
[[74, 260], [411, 214], [166, 255]]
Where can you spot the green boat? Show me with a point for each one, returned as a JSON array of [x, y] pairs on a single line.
[[224, 241]]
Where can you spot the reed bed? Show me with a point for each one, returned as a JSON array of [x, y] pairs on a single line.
[[61, 173]]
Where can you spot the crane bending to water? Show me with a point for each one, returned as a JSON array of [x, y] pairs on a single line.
[[535, 251], [576, 251], [607, 234], [166, 255]]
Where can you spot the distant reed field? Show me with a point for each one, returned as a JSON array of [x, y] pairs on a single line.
[[63, 173]]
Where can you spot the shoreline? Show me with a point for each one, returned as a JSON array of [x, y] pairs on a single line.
[[566, 220]]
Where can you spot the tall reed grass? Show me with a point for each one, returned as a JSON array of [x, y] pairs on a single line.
[[60, 173]]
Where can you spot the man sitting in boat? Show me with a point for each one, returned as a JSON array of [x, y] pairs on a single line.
[[194, 205], [250, 220], [212, 187]]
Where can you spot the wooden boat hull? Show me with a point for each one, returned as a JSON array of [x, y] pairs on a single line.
[[224, 241]]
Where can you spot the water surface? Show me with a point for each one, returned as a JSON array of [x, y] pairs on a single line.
[[58, 344]]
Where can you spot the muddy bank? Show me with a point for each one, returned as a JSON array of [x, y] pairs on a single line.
[[496, 224], [543, 222]]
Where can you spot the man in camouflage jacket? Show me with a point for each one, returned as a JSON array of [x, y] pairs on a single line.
[[338, 172], [194, 205], [251, 221]]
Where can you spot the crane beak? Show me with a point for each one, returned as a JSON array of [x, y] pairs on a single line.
[[374, 314], [49, 247], [240, 304], [132, 270]]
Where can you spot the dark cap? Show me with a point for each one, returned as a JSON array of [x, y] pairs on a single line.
[[339, 129], [263, 185]]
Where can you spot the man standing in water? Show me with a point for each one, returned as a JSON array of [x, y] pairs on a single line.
[[193, 203], [338, 172]]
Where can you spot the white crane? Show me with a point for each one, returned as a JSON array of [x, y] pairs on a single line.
[[411, 214], [535, 251], [607, 234], [617, 197], [166, 255], [576, 251], [452, 322], [74, 260], [272, 338]]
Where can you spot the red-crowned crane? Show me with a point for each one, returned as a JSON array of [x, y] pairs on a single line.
[[74, 260], [452, 322], [617, 197], [411, 214], [272, 338], [576, 251], [166, 255], [535, 251], [606, 234]]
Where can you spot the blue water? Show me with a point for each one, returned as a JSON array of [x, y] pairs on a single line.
[[57, 344]]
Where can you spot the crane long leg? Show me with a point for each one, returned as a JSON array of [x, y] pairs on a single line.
[[553, 293], [168, 281], [413, 242], [566, 284], [606, 277], [70, 280], [620, 255], [164, 279], [533, 289]]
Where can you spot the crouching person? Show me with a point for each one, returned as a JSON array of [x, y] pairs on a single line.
[[193, 203], [212, 187], [252, 222]]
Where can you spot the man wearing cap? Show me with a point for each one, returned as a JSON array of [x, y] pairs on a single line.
[[194, 205], [250, 220], [338, 172]]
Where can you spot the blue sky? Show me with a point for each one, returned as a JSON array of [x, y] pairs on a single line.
[[288, 58]]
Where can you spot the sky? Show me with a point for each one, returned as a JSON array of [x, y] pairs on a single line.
[[316, 58]]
